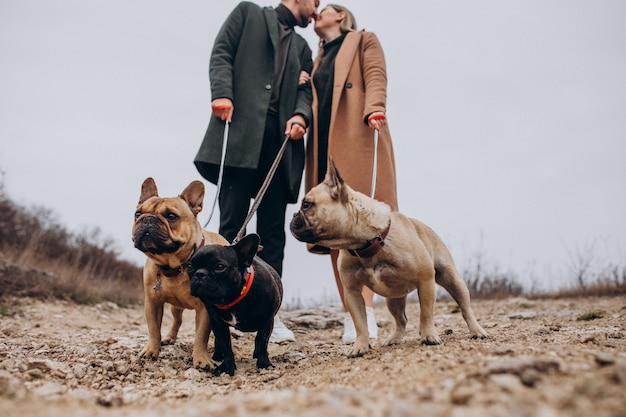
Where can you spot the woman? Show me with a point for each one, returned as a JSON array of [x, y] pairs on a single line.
[[349, 81]]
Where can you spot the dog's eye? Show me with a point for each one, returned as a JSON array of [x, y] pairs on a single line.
[[137, 214], [171, 217], [220, 268], [306, 205]]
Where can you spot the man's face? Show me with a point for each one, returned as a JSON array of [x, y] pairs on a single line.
[[307, 12]]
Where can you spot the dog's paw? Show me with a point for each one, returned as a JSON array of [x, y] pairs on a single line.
[[168, 341], [224, 369], [481, 335], [204, 362], [150, 351], [431, 340], [263, 362], [392, 340], [358, 350]]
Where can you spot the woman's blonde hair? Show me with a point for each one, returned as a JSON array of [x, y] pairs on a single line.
[[348, 24]]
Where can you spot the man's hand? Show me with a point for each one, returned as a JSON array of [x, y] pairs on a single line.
[[223, 109], [296, 127]]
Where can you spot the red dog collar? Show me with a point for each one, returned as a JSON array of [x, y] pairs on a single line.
[[244, 291]]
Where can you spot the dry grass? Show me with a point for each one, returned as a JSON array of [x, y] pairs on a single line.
[[40, 258]]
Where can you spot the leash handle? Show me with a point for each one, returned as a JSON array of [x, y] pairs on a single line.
[[221, 172], [375, 164], [261, 192], [380, 116]]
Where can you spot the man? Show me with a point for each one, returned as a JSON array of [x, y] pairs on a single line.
[[254, 71]]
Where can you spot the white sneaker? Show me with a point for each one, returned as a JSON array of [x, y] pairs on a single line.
[[281, 333], [349, 331], [372, 326], [236, 333]]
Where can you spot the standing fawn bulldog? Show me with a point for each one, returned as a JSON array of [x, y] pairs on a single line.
[[385, 251], [168, 232]]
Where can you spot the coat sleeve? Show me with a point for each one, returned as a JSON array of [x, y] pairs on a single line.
[[224, 52], [374, 75], [304, 95]]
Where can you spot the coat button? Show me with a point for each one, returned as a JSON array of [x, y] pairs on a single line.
[[268, 86], [348, 85]]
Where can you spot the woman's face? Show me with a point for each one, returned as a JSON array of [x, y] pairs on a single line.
[[327, 18]]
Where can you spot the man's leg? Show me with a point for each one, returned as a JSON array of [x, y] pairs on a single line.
[[234, 200], [271, 225], [271, 215]]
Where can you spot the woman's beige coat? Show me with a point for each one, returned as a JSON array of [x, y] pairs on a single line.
[[360, 88]]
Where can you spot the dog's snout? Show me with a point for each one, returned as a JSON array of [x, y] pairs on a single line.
[[196, 279], [296, 222], [149, 220], [199, 275]]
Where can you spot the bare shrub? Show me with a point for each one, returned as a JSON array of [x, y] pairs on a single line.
[[42, 259], [488, 282], [592, 275]]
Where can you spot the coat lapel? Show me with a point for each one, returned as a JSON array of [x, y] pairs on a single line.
[[343, 63], [272, 25]]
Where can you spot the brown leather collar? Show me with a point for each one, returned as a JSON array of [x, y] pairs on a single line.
[[173, 272], [372, 246]]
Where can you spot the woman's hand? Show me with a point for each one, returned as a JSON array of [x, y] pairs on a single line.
[[304, 78], [377, 120]]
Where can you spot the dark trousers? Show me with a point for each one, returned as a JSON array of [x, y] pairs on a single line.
[[240, 185]]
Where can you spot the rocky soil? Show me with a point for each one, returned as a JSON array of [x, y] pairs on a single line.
[[545, 358]]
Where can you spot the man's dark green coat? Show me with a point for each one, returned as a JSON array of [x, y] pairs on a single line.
[[242, 69]]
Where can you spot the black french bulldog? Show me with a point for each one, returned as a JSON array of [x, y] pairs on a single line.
[[238, 289]]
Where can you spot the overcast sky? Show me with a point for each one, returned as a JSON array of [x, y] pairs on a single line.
[[508, 120]]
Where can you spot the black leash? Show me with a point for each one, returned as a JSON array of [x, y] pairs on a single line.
[[261, 192]]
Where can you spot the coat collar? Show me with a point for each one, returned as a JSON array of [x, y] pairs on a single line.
[[272, 24]]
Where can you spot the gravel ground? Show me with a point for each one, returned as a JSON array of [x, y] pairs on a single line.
[[545, 358]]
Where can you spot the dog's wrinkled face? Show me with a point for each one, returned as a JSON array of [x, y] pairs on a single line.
[[166, 225], [217, 271], [324, 212]]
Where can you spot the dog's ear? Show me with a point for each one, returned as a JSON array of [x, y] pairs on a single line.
[[148, 189], [194, 196], [247, 248], [334, 180]]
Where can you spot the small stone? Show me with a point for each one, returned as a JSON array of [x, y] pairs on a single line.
[[50, 389], [529, 377], [39, 364], [523, 315], [507, 382], [620, 372], [192, 374], [7, 364], [122, 367], [80, 371], [604, 359], [10, 387]]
